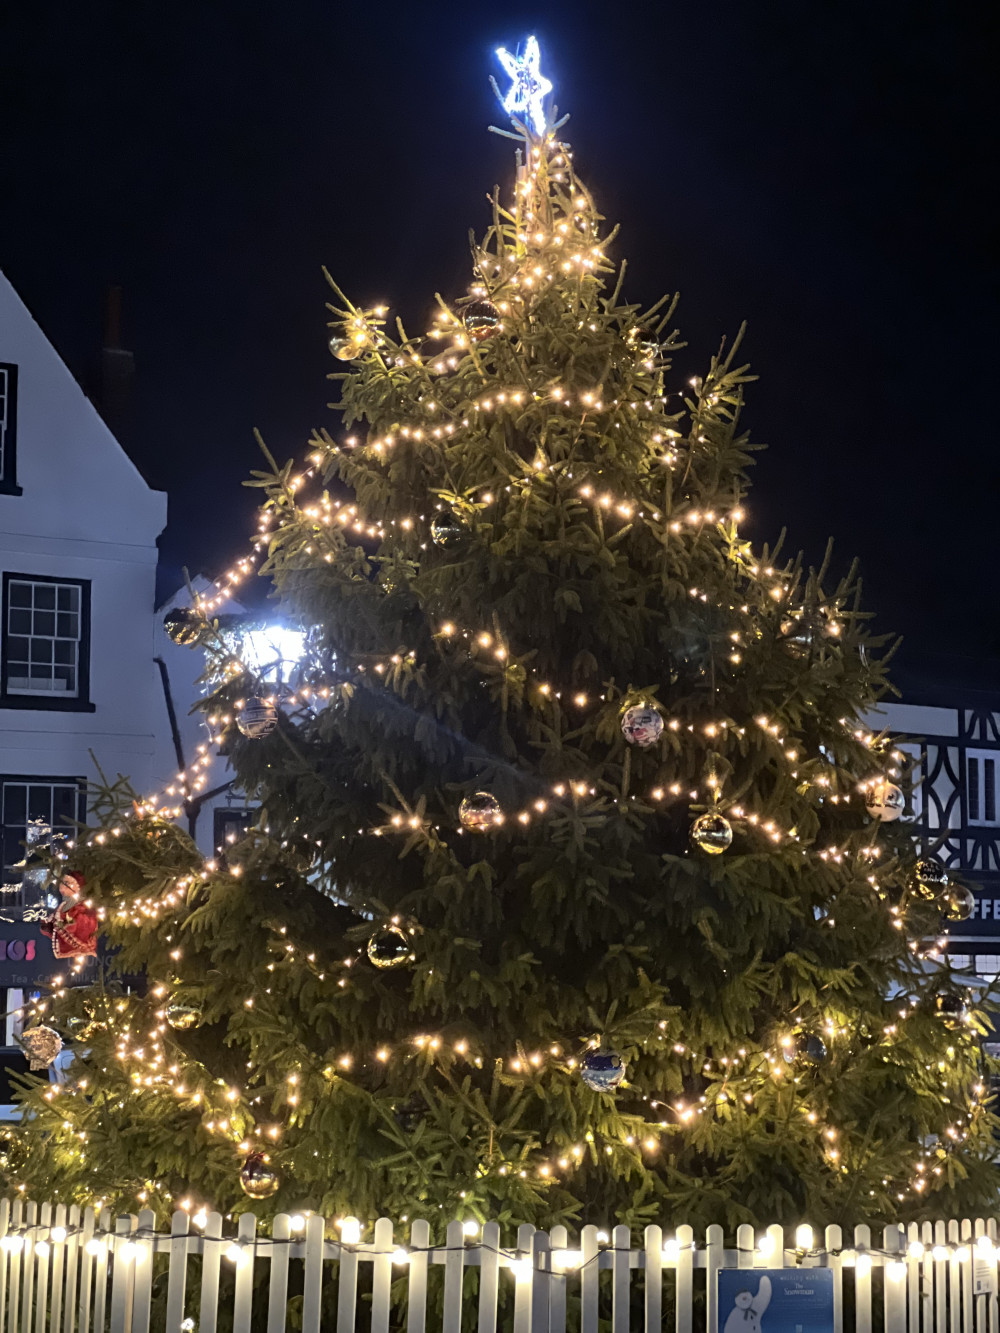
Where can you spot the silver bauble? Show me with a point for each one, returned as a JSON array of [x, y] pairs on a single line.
[[446, 529], [480, 319], [642, 725], [480, 812], [958, 902], [257, 718], [807, 1047], [930, 877], [885, 801], [345, 349], [184, 626], [182, 1016], [951, 1008], [258, 1178], [712, 832], [602, 1071], [389, 947]]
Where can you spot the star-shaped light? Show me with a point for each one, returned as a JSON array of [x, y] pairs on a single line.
[[528, 87]]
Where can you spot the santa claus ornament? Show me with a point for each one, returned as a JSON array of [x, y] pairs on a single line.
[[72, 927]]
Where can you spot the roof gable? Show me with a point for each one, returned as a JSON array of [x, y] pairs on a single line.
[[76, 479]]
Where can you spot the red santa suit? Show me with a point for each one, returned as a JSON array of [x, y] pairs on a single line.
[[72, 927]]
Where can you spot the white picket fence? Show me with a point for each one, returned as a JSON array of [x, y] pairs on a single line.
[[67, 1271]]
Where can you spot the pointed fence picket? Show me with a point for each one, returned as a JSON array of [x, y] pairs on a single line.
[[63, 1270]]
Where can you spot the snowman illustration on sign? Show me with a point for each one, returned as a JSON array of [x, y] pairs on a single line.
[[746, 1316]]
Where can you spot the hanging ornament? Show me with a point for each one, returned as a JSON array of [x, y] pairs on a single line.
[[257, 1177], [712, 832], [885, 801], [958, 902], [602, 1071], [184, 626], [390, 948], [480, 812], [72, 927], [346, 349], [951, 1008], [182, 1016], [481, 320], [257, 718], [809, 1047], [798, 633], [42, 1046], [446, 528], [642, 725], [930, 877], [410, 1115]]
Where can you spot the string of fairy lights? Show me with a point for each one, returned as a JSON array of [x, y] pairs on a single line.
[[154, 1068], [154, 1065], [98, 1242]]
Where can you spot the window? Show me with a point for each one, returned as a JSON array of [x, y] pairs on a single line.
[[12, 999], [57, 803], [961, 961], [988, 964], [981, 786], [46, 643], [8, 430], [229, 825]]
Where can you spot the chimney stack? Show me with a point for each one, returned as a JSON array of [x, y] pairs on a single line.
[[117, 368]]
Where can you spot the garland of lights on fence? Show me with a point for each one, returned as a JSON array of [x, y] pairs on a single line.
[[126, 1246]]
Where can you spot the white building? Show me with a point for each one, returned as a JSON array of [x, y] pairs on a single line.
[[87, 671], [78, 530]]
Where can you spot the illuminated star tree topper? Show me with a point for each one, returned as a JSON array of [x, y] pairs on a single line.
[[529, 86]]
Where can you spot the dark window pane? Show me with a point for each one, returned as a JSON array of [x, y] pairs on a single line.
[[17, 649], [19, 622], [66, 625], [41, 650], [973, 792], [12, 852], [40, 802], [66, 674], [65, 651], [45, 596], [63, 805], [69, 599], [15, 808], [20, 594], [45, 622], [989, 775]]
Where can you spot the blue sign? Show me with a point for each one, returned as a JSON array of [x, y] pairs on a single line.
[[775, 1300]]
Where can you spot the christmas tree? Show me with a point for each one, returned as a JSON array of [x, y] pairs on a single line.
[[578, 891]]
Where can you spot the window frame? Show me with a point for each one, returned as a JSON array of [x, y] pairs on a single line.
[[8, 444], [36, 780], [48, 701]]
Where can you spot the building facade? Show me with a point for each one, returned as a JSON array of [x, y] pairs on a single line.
[[954, 749], [78, 687]]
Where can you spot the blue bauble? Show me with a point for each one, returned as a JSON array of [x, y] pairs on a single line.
[[602, 1071]]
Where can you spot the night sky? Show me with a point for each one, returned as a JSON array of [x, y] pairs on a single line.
[[821, 171]]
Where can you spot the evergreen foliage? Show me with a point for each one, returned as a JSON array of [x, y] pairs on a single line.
[[598, 564]]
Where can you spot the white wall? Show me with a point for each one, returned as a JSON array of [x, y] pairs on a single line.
[[85, 513]]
